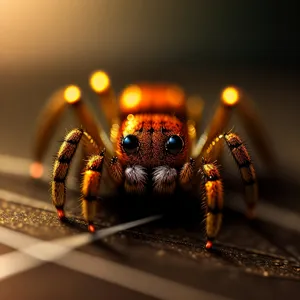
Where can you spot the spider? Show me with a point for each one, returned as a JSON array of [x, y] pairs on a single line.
[[153, 146]]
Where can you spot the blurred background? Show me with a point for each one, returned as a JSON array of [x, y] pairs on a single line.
[[202, 45]]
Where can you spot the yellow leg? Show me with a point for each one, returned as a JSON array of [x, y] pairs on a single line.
[[247, 171], [90, 188], [46, 125], [51, 116], [101, 85], [255, 128], [244, 163], [231, 99], [195, 106], [214, 201], [62, 165]]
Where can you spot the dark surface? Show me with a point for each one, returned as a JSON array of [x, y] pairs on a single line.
[[54, 281], [247, 255]]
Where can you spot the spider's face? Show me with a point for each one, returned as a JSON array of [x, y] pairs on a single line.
[[152, 140]]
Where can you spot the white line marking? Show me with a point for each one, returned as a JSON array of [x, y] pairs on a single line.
[[16, 239], [35, 251], [85, 238], [133, 279], [21, 199], [15, 263], [140, 281], [52, 250]]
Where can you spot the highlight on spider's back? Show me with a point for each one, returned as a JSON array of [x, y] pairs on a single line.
[[154, 145]]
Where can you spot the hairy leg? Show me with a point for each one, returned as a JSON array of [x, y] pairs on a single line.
[[52, 114], [234, 99], [247, 171], [90, 188], [213, 192], [244, 163], [62, 165]]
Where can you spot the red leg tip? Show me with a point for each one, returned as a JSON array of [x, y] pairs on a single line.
[[91, 228], [61, 214], [208, 245]]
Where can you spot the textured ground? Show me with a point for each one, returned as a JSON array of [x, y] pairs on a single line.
[[165, 259]]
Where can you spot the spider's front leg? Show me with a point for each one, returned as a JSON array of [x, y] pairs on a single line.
[[92, 174], [213, 193], [91, 184], [243, 160], [90, 188], [213, 189], [62, 165]]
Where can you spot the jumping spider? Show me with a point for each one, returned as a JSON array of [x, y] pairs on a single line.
[[153, 138]]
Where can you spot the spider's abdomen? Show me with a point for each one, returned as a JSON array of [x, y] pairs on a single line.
[[153, 99]]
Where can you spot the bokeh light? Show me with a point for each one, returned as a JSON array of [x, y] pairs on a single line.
[[99, 81], [36, 170], [230, 96], [131, 97], [72, 94]]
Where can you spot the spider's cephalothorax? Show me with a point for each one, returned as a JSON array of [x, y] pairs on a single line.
[[152, 146]]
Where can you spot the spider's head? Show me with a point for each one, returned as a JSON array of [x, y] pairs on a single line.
[[153, 140]]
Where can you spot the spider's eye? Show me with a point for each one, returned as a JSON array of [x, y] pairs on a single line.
[[130, 144], [174, 144]]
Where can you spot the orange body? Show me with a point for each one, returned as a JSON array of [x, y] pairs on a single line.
[[153, 113]]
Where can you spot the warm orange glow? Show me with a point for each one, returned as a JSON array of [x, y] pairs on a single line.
[[99, 81], [230, 96], [36, 170], [72, 94], [195, 106], [130, 117], [191, 129], [131, 97], [114, 132], [175, 96]]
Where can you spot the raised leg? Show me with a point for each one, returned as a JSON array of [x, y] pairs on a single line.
[[62, 165], [195, 106], [50, 117], [231, 99], [244, 163], [247, 171], [101, 85]]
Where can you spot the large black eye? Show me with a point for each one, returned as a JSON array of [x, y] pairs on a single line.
[[174, 144], [130, 144]]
